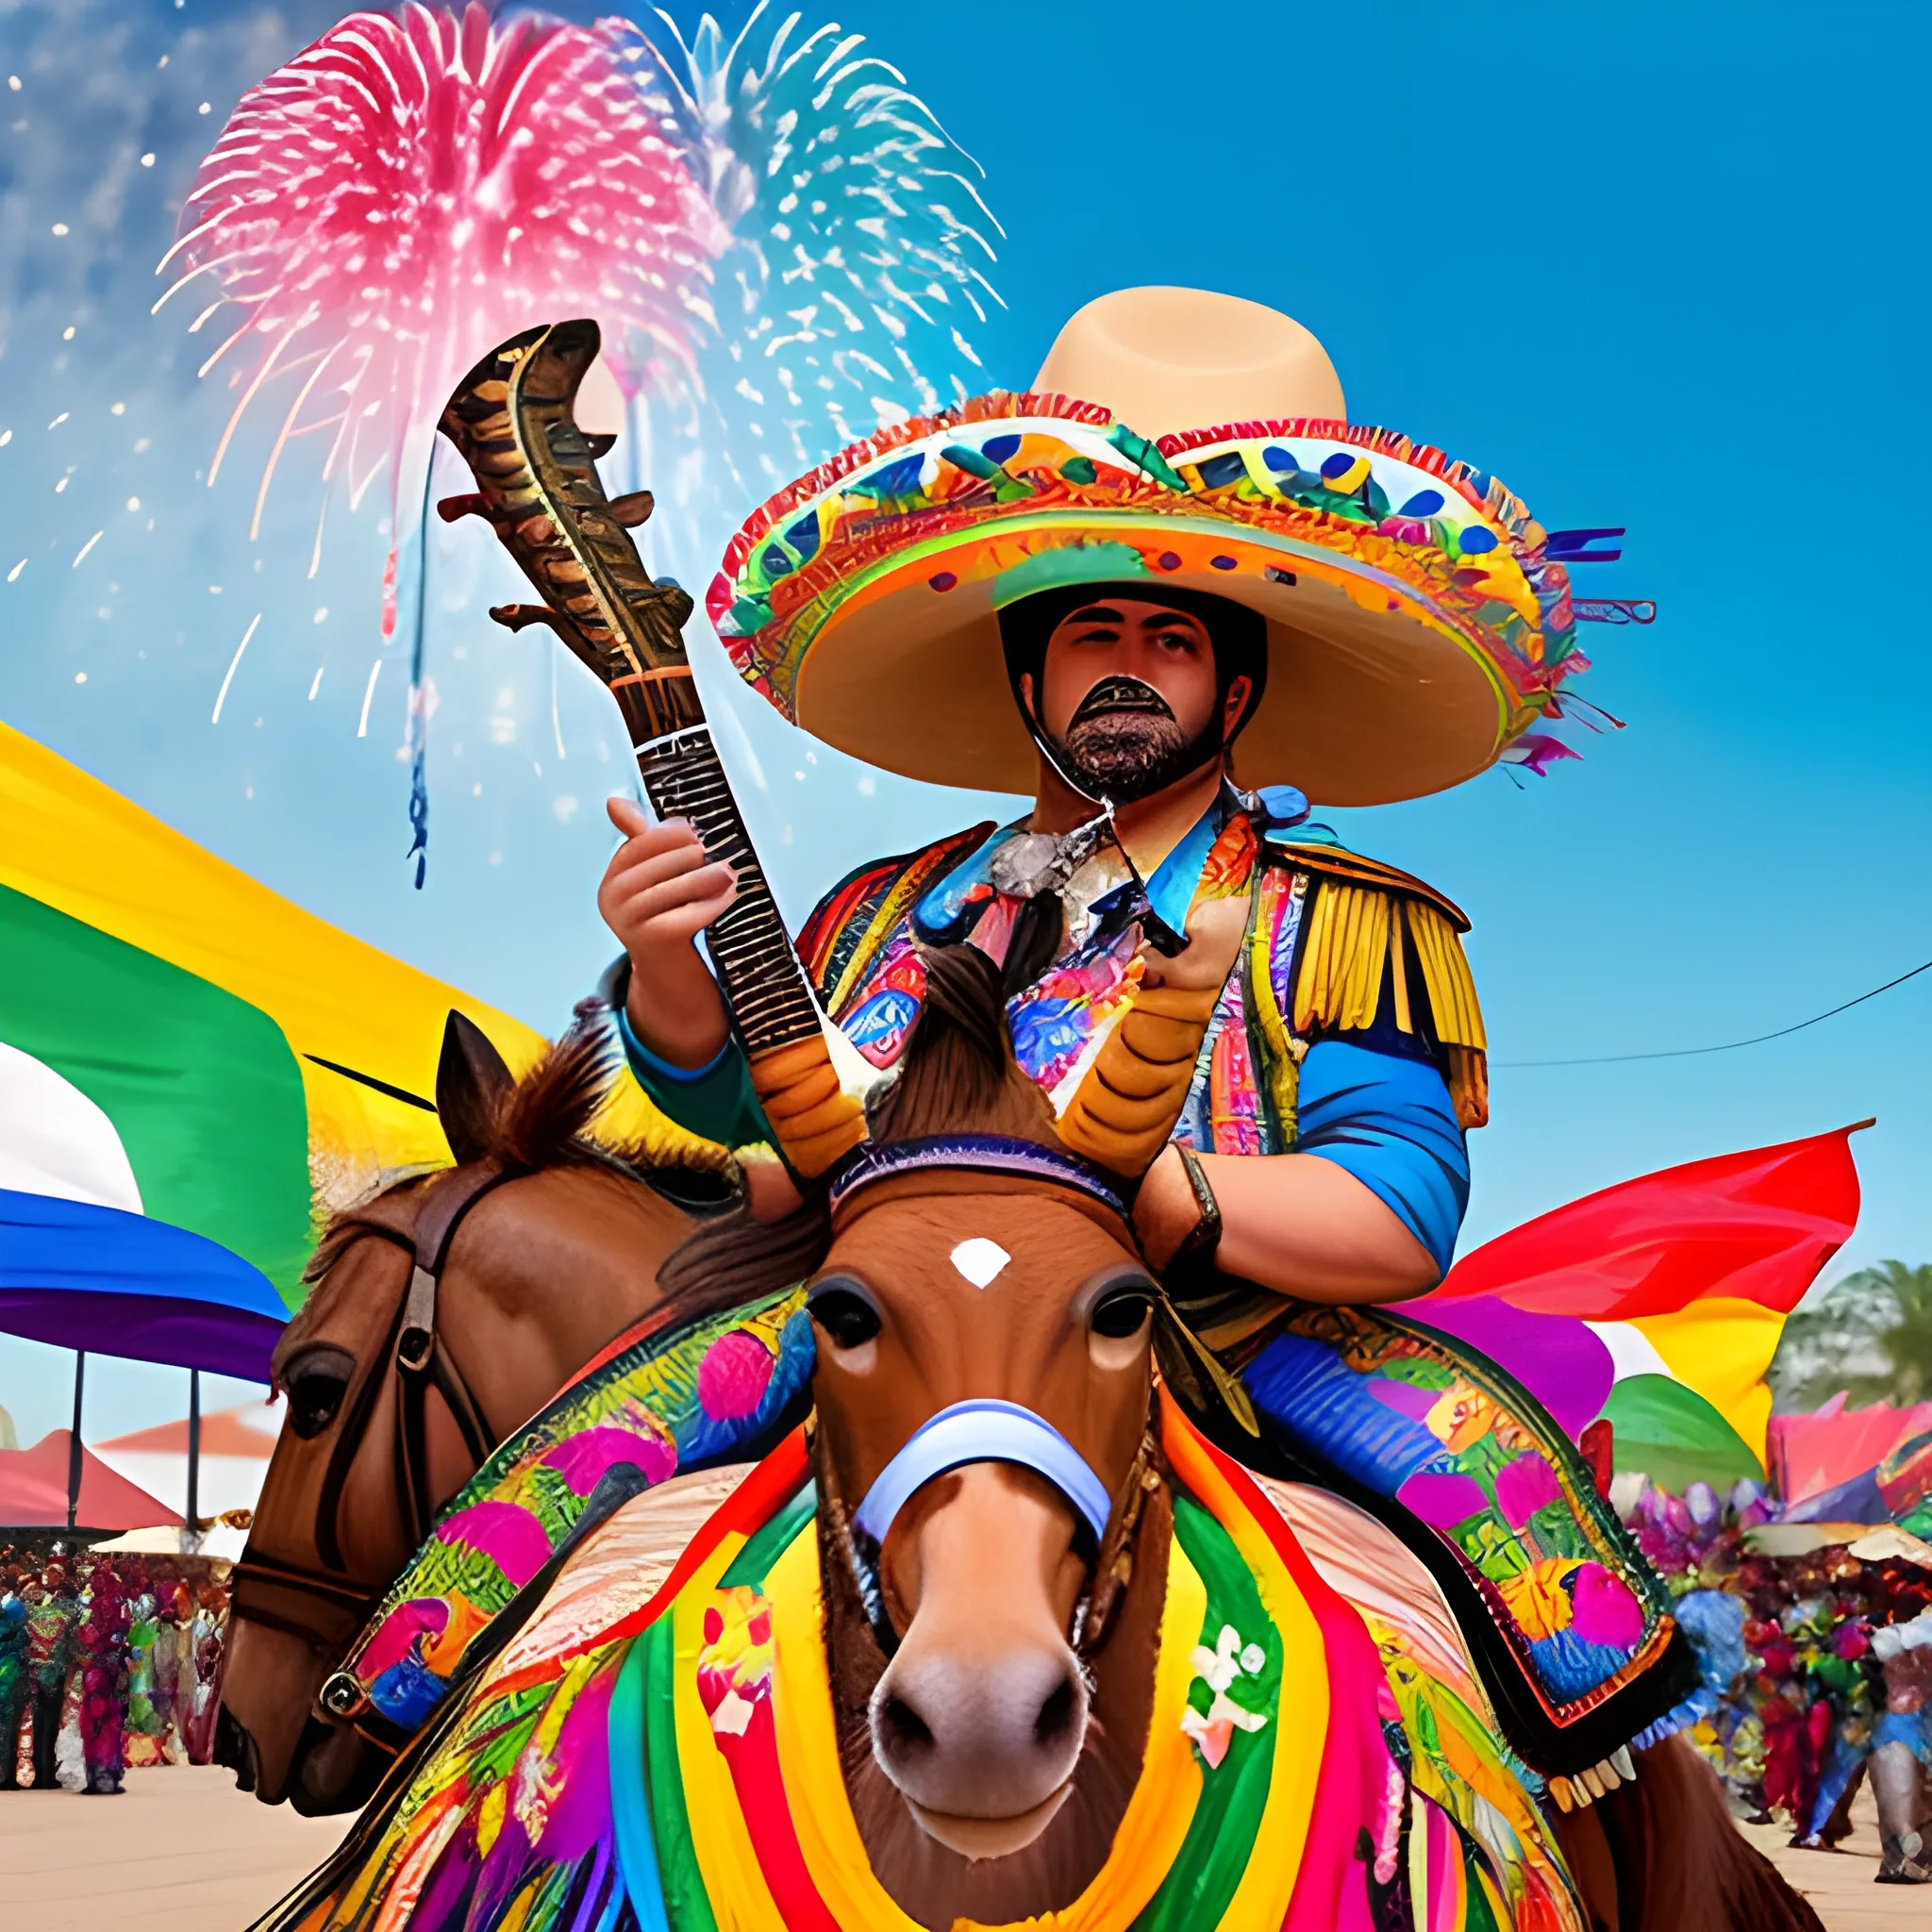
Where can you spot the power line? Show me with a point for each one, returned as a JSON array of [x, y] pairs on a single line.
[[1681, 1053]]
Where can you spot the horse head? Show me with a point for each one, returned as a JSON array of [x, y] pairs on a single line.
[[441, 1313], [995, 1524]]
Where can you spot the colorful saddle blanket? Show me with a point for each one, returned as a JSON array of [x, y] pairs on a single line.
[[659, 1402], [672, 1765], [1571, 1629]]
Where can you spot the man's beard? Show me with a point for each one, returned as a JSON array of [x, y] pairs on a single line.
[[1124, 743]]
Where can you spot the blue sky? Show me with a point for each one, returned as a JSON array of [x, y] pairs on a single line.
[[1661, 267]]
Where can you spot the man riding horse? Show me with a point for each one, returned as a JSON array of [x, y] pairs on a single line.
[[1281, 1035], [1006, 1633], [1118, 627]]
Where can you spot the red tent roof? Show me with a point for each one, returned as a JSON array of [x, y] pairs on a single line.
[[1811, 1454], [33, 1490], [248, 1429]]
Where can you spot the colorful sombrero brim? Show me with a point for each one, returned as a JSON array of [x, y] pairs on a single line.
[[1415, 625]]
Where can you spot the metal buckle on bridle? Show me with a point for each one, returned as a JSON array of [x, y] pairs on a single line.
[[416, 1337]]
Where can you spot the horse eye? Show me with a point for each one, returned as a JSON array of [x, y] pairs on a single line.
[[1120, 1314], [848, 1319], [316, 1383]]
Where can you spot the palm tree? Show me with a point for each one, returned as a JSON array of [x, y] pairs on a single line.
[[1871, 1335]]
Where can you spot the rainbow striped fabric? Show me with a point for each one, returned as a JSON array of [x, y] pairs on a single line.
[[673, 1768], [192, 1070]]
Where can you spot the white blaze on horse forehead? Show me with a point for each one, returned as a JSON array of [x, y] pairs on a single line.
[[979, 1260]]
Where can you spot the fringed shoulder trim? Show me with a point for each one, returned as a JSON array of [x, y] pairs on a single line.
[[1370, 924], [1334, 861]]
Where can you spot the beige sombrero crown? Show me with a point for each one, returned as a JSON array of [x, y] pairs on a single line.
[[1416, 627]]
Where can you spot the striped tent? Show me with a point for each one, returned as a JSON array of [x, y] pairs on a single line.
[[194, 1073]]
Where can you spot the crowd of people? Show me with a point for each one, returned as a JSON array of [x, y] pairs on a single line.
[[108, 1664], [1818, 1667]]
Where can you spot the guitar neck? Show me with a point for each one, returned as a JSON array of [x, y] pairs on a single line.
[[770, 999], [513, 418]]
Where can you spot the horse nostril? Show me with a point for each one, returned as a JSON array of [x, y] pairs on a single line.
[[1055, 1717], [904, 1727]]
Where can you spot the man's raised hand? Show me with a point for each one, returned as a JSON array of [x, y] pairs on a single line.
[[660, 891]]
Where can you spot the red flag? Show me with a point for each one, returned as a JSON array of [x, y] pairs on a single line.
[[1754, 1226]]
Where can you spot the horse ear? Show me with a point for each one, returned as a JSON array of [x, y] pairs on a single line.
[[473, 1080]]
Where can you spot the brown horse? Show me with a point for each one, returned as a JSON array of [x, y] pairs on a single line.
[[539, 1247], [991, 1653], [993, 1710], [991, 1756]]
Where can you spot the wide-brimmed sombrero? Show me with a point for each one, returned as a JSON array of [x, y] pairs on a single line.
[[1416, 625]]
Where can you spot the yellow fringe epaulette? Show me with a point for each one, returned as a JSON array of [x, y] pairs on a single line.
[[1365, 918]]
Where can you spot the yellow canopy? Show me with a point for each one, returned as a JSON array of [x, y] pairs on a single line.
[[357, 1021]]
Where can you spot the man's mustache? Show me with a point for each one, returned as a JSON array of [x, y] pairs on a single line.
[[1113, 695]]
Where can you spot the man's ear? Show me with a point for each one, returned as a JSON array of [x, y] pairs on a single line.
[[1239, 692], [1026, 699]]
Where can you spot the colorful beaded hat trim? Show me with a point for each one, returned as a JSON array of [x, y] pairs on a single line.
[[1380, 560]]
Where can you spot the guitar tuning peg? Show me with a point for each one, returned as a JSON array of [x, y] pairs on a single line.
[[452, 509], [633, 508], [522, 616]]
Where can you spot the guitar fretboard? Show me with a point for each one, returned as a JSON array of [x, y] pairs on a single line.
[[753, 953]]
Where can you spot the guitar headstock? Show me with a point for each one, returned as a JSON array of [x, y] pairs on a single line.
[[513, 419]]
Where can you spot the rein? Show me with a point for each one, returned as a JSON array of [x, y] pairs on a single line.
[[265, 1590]]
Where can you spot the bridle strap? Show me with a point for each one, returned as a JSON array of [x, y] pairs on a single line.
[[414, 1350], [1098, 1610], [258, 1584], [1113, 1567], [349, 1444], [421, 1361], [983, 1430], [980, 1154]]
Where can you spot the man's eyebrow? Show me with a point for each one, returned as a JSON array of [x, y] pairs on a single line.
[[1096, 613], [1161, 619]]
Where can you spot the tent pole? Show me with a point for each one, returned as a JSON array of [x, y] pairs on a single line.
[[194, 1537], [74, 1438]]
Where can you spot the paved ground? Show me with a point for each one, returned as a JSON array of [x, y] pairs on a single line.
[[180, 1850], [183, 1851], [1839, 1884]]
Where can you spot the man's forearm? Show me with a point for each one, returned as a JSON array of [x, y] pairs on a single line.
[[1307, 1227], [680, 1014]]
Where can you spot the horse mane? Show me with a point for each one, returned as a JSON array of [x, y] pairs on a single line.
[[545, 1120], [540, 1121], [958, 1074]]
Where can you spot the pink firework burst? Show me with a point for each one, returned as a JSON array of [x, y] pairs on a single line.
[[407, 191]]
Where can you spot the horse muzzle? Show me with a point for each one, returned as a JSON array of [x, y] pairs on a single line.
[[980, 1718]]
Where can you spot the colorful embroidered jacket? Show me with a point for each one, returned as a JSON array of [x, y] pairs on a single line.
[[667, 1761], [1349, 1028]]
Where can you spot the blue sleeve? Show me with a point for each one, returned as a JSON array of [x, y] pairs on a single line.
[[714, 1101], [1387, 1120]]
